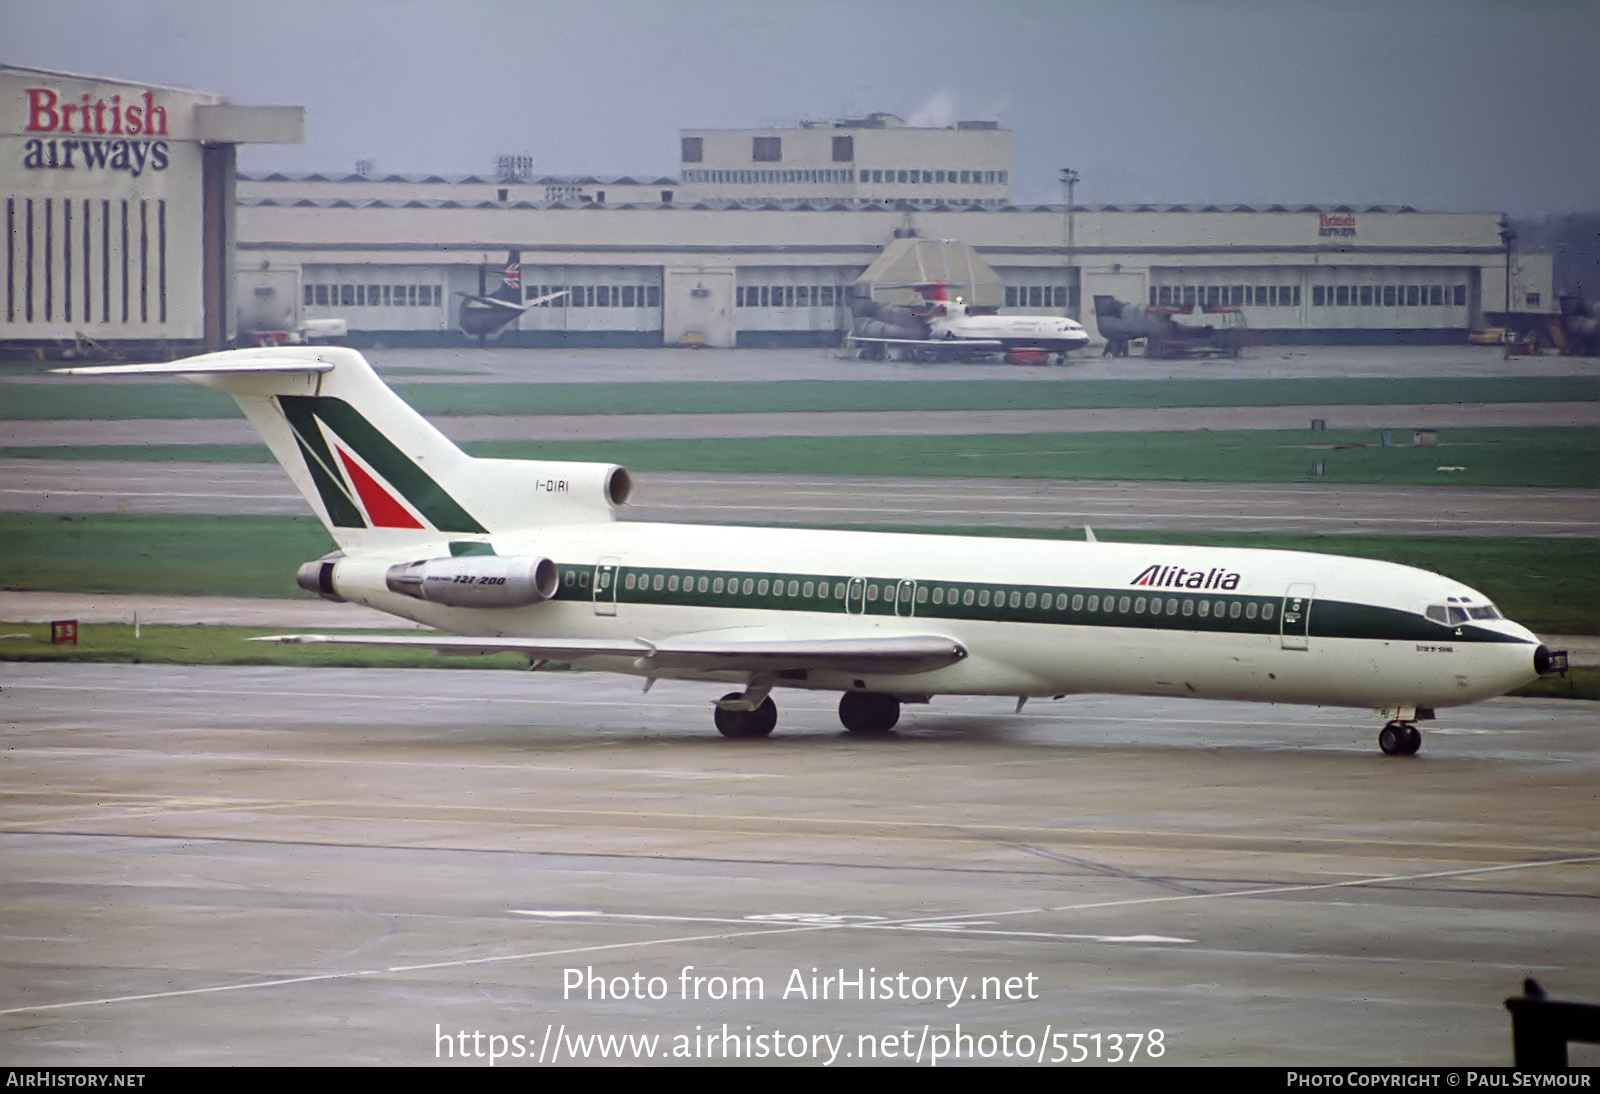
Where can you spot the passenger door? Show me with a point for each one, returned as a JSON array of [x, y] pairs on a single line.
[[1294, 619]]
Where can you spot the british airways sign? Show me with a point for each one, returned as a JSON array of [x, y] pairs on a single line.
[[94, 133]]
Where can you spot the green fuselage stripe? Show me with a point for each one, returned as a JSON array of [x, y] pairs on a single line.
[[995, 602]]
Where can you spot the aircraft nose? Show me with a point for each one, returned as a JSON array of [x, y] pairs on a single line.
[[1549, 662]]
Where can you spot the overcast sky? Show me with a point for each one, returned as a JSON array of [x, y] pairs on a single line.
[[1441, 104]]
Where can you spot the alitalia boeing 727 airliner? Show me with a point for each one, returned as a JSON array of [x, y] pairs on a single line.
[[526, 556]]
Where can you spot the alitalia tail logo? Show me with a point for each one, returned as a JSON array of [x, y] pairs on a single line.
[[363, 478], [1176, 577]]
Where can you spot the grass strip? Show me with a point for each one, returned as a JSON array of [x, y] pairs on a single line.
[[156, 399], [1567, 457], [157, 554], [1480, 457]]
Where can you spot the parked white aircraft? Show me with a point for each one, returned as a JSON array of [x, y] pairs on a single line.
[[954, 326], [526, 556]]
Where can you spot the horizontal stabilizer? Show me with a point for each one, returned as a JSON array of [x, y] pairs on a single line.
[[284, 359]]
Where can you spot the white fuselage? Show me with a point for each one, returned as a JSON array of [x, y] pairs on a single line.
[[1274, 626], [1042, 331]]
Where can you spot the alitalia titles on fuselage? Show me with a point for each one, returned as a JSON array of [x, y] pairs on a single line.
[[1176, 577]]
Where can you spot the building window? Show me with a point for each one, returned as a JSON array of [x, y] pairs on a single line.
[[766, 149], [844, 149], [693, 149]]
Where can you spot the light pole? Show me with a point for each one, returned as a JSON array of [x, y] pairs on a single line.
[[1069, 179], [1507, 238]]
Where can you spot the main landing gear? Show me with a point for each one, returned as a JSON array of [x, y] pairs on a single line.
[[735, 717], [868, 712], [1400, 739], [752, 713]]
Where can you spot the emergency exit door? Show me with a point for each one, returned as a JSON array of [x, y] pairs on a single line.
[[605, 586]]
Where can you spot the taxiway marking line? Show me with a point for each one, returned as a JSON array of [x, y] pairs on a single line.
[[49, 492], [932, 923], [757, 933], [937, 831]]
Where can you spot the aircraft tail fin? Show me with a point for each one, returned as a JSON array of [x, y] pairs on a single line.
[[510, 287], [375, 471]]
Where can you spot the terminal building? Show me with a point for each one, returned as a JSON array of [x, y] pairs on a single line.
[[759, 240]]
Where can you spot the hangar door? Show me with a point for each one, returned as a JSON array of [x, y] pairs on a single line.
[[792, 305], [1040, 291], [604, 305]]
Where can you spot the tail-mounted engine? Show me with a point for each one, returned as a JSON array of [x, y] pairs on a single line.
[[317, 577], [476, 581]]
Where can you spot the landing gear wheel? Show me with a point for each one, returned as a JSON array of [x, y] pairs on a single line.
[[745, 723], [1400, 739], [868, 712]]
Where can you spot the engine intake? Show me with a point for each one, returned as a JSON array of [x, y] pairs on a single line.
[[476, 581]]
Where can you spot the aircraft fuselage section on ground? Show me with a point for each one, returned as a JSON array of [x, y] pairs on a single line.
[[952, 324]]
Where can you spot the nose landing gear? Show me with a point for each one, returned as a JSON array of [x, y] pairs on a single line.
[[1400, 739]]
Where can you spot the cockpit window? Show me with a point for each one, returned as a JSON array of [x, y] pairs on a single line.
[[1453, 614]]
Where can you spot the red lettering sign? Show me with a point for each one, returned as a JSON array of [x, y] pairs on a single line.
[[47, 113]]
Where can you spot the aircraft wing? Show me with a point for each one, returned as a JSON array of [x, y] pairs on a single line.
[[508, 305], [741, 650], [489, 301]]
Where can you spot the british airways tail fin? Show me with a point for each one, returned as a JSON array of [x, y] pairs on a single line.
[[376, 472]]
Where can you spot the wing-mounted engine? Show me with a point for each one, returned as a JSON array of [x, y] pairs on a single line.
[[476, 581]]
